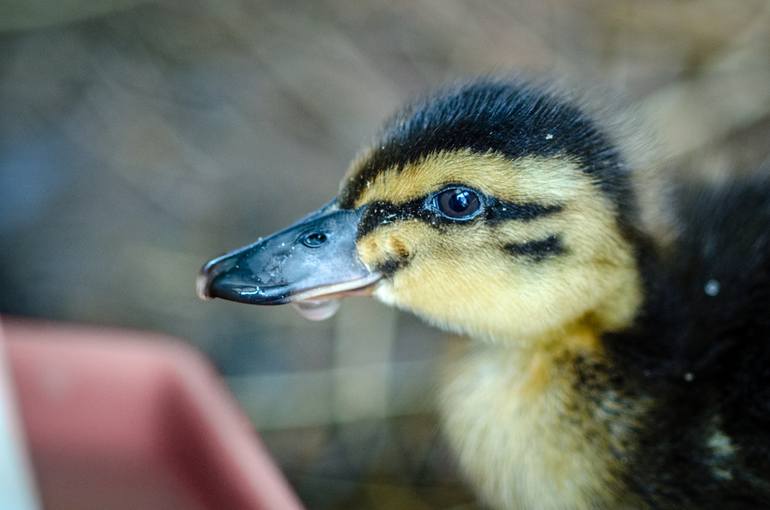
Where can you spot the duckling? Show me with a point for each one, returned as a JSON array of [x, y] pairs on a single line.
[[605, 368]]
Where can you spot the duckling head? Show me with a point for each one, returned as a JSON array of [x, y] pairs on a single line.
[[495, 209]]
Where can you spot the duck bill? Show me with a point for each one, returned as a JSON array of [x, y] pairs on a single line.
[[311, 264]]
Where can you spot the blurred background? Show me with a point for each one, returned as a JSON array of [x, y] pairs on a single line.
[[139, 138]]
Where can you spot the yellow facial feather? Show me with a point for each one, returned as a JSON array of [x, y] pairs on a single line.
[[530, 179], [461, 278]]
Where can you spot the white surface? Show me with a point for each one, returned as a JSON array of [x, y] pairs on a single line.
[[16, 489]]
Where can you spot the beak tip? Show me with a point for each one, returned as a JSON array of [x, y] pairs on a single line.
[[208, 274], [202, 286]]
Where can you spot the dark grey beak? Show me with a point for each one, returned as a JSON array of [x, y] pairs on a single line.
[[310, 263]]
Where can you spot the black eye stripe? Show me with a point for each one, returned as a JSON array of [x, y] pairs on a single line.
[[383, 213], [500, 211], [496, 211], [537, 250]]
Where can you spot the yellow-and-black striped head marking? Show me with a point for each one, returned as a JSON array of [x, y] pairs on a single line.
[[497, 210]]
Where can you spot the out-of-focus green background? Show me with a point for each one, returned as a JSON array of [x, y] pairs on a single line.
[[139, 138]]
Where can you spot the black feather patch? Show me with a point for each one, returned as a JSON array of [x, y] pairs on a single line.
[[511, 118], [538, 250]]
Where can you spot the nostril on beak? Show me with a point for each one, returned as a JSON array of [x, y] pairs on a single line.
[[209, 272]]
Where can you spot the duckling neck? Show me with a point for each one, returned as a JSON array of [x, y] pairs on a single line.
[[546, 422], [518, 418]]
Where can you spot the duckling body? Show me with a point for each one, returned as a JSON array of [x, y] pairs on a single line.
[[670, 412], [605, 368], [701, 346]]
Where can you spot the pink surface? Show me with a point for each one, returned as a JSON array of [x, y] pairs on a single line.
[[120, 420]]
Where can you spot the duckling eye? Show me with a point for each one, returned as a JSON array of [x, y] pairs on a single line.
[[458, 203], [313, 239]]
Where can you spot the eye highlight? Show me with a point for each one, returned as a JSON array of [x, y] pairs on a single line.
[[457, 203], [313, 239]]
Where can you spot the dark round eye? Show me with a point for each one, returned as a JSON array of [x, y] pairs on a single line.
[[458, 203], [314, 239]]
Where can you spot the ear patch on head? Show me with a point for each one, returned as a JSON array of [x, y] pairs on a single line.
[[389, 267], [398, 256], [398, 247]]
